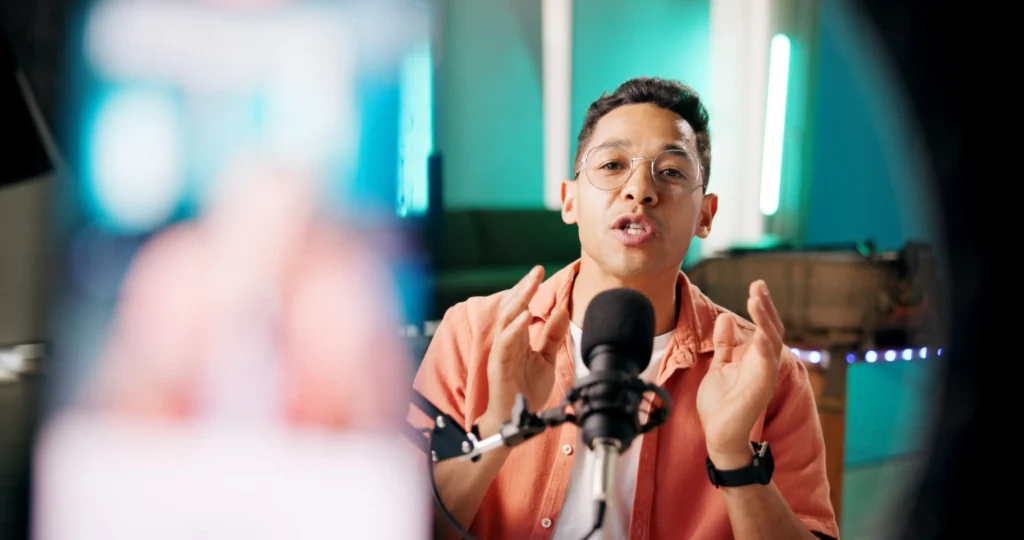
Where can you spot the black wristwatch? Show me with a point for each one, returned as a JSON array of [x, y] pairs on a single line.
[[758, 472]]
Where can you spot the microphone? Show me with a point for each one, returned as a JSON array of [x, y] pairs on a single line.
[[617, 342]]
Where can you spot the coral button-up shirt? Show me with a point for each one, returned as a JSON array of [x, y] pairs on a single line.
[[674, 498]]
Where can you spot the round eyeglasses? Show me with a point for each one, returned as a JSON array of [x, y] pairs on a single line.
[[609, 167]]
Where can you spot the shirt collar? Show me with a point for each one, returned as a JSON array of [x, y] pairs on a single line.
[[694, 329]]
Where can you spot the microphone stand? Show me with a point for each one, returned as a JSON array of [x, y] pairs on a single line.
[[448, 440], [606, 454]]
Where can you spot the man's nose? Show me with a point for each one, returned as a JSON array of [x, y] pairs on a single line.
[[640, 185]]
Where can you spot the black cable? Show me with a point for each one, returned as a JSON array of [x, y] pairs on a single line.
[[598, 519], [463, 533]]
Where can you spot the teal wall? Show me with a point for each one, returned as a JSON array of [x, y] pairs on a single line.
[[863, 182], [490, 129], [889, 408], [866, 180], [490, 125], [655, 38]]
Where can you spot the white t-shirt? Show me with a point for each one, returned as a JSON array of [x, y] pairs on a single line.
[[577, 515]]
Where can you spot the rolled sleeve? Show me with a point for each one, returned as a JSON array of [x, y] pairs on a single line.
[[441, 377], [793, 430]]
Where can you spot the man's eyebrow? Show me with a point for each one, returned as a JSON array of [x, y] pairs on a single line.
[[625, 142], [617, 142], [674, 145]]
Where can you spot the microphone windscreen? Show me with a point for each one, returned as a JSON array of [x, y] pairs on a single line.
[[622, 319]]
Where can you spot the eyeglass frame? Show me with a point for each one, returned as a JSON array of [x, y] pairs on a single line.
[[632, 159]]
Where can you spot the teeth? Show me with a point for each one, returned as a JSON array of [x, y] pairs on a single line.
[[634, 229]]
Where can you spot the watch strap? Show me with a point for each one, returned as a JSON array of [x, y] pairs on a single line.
[[758, 472]]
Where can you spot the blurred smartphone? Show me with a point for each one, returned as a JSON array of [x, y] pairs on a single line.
[[169, 96]]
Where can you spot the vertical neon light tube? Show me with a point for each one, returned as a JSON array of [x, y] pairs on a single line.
[[416, 138], [556, 28], [774, 124]]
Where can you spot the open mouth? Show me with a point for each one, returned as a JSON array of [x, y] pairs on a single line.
[[634, 228], [635, 224]]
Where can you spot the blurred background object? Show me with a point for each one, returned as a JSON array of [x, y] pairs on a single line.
[[25, 151], [26, 171], [28, 165], [847, 298], [231, 259]]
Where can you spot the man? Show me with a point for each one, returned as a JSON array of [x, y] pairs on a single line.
[[638, 198]]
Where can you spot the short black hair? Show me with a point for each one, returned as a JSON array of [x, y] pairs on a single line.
[[667, 94]]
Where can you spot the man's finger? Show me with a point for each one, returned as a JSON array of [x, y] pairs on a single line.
[[725, 329], [554, 333], [760, 372], [759, 290], [516, 291], [509, 343], [765, 345], [765, 326], [519, 296]]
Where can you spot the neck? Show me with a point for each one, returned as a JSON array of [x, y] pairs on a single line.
[[660, 289]]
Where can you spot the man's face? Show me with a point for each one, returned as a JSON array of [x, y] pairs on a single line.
[[644, 226]]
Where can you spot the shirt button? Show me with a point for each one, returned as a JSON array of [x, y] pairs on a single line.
[[546, 523], [567, 449]]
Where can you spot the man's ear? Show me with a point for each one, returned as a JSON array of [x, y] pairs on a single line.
[[708, 209], [569, 190]]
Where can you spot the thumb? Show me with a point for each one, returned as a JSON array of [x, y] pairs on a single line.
[[725, 328]]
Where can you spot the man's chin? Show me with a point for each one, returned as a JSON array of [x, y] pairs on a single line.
[[635, 265], [631, 264]]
